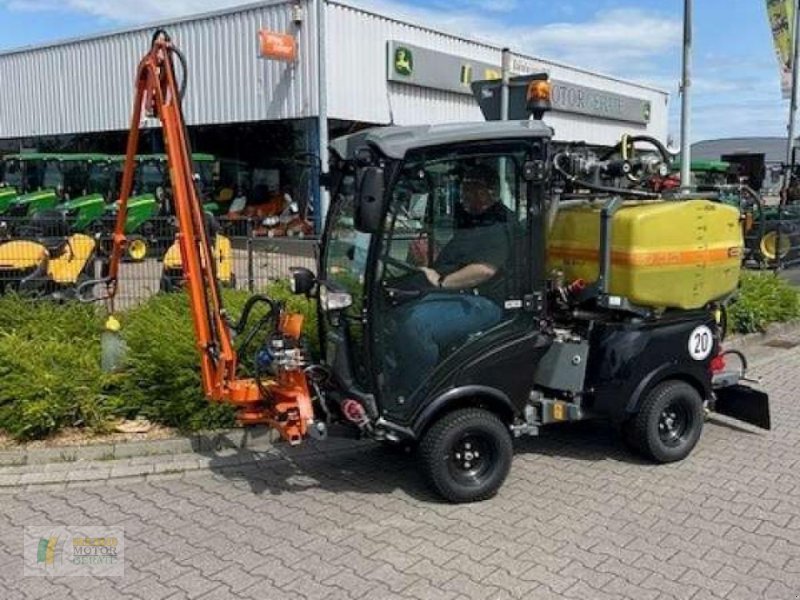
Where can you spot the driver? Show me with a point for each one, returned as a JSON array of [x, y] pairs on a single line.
[[468, 271]]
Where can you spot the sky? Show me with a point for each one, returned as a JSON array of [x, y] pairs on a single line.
[[736, 84]]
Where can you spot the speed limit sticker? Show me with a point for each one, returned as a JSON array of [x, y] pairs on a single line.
[[701, 342]]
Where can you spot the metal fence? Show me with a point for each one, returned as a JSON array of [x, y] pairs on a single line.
[[53, 255], [46, 257]]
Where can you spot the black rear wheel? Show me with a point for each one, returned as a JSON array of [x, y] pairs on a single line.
[[467, 455], [669, 422]]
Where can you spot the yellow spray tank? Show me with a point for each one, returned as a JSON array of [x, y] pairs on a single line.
[[664, 254]]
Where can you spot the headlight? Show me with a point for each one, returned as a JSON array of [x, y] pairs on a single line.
[[330, 300]]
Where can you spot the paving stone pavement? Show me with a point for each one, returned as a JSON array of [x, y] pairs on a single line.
[[578, 518]]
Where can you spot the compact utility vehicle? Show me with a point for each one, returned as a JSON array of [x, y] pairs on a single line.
[[476, 282]]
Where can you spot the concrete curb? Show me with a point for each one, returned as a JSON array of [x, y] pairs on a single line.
[[217, 451], [254, 439], [121, 450], [774, 331]]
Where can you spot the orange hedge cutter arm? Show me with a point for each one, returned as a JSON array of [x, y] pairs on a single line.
[[283, 402]]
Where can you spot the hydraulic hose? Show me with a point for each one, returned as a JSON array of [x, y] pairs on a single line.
[[630, 140], [162, 34], [596, 187]]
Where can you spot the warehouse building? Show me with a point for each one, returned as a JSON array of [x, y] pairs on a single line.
[[258, 91]]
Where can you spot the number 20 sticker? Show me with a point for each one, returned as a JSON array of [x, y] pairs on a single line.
[[701, 342]]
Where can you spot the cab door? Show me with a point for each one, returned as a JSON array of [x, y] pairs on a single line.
[[425, 333]]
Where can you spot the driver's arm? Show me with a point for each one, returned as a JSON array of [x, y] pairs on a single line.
[[469, 276], [490, 251]]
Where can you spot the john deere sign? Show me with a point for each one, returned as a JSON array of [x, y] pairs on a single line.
[[403, 61], [422, 67], [437, 70]]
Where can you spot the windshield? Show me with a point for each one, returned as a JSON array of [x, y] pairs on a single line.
[[205, 169], [150, 176], [346, 252], [13, 174], [53, 176], [100, 175]]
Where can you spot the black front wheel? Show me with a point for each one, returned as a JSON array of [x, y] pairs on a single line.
[[467, 455], [669, 422]]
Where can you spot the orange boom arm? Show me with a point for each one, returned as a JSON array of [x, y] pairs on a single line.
[[283, 401]]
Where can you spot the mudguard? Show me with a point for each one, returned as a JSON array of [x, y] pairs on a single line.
[[743, 403]]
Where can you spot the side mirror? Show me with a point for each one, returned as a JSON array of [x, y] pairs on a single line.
[[302, 281], [370, 200]]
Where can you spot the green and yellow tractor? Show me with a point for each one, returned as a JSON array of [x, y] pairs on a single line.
[[85, 213], [46, 181], [149, 208], [771, 230], [10, 180]]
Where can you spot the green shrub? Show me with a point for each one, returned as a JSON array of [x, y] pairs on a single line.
[[50, 374], [163, 365], [37, 319], [763, 299]]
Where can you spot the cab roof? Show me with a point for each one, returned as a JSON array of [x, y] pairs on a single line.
[[395, 142]]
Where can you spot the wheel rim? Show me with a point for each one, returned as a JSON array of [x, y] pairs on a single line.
[[137, 249], [674, 423], [769, 245], [471, 458]]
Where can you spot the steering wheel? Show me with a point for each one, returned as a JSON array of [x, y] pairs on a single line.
[[409, 269]]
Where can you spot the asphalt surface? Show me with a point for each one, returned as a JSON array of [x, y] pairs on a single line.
[[579, 517]]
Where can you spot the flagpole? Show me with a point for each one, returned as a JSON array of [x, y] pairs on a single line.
[[686, 100], [790, 128]]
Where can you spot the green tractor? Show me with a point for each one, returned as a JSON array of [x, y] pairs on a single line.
[[50, 180], [146, 225], [22, 174], [86, 212], [10, 181], [771, 231]]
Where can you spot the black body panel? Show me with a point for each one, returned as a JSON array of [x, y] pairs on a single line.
[[500, 375], [629, 358]]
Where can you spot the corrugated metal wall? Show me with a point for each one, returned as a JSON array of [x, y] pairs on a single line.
[[87, 86], [356, 70]]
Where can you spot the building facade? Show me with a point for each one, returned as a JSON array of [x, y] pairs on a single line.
[[352, 68]]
